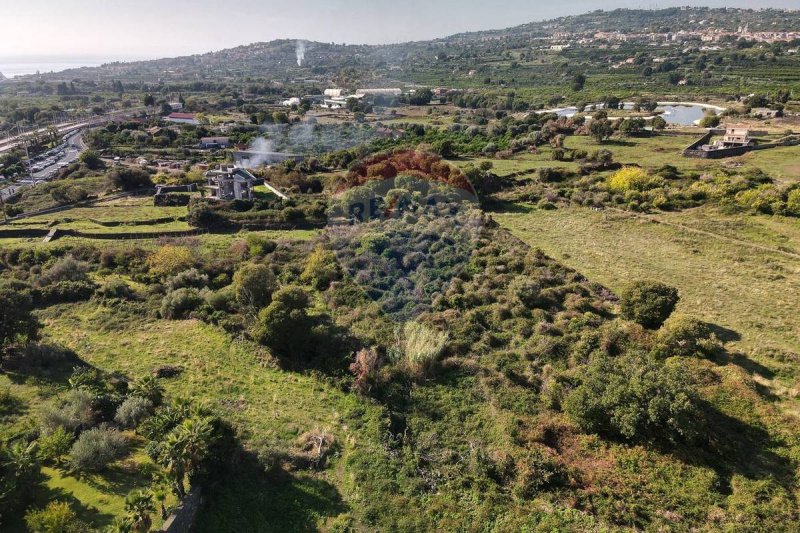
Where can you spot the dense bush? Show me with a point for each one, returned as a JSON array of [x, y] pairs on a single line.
[[686, 337], [179, 303], [632, 179], [322, 268], [253, 285], [66, 291], [96, 448], [129, 179], [57, 517], [285, 325], [648, 303], [132, 411], [73, 413], [188, 278], [55, 445], [170, 259], [636, 400], [16, 319], [65, 269], [114, 288], [259, 246]]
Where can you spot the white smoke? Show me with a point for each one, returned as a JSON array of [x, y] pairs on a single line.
[[261, 149], [300, 51]]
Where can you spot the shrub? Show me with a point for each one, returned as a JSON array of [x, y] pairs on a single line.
[[648, 303], [91, 160], [258, 245], [221, 300], [365, 368], [57, 517], [188, 278], [66, 291], [170, 259], [132, 411], [709, 121], [179, 303], [421, 347], [635, 400], [253, 285], [321, 269], [147, 387], [631, 179], [114, 288], [685, 337], [65, 269], [793, 203], [96, 448], [55, 445], [535, 470], [129, 179], [526, 291], [17, 321], [72, 414], [284, 325]]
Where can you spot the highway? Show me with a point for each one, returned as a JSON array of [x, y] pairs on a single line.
[[71, 146]]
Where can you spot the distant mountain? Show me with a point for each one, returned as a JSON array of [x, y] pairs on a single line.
[[277, 60]]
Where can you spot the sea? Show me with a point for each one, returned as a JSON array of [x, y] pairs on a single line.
[[11, 66]]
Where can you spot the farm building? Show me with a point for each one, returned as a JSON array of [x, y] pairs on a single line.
[[182, 118], [214, 142]]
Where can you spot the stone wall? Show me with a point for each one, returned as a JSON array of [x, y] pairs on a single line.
[[183, 517]]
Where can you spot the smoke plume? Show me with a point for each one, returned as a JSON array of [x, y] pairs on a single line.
[[300, 51]]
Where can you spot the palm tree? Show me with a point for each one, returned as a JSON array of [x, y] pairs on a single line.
[[147, 387], [184, 449], [139, 505]]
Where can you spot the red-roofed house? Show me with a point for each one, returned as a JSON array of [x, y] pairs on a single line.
[[182, 118]]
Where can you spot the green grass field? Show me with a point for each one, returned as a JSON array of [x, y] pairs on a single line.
[[267, 406], [737, 279]]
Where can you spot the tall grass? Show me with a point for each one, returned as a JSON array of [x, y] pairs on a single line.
[[421, 347]]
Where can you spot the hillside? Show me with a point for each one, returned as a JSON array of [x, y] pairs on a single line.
[[278, 59]]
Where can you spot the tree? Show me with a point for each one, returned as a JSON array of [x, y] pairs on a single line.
[[578, 82], [17, 322], [601, 129], [710, 121], [659, 123], [149, 100], [253, 285], [284, 325], [129, 179], [184, 449], [636, 400], [19, 473], [648, 303], [91, 160], [421, 97], [139, 506], [632, 126]]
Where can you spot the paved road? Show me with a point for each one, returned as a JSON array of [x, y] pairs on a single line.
[[75, 146]]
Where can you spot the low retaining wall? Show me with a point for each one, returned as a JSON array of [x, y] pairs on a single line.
[[33, 233], [693, 150], [182, 518]]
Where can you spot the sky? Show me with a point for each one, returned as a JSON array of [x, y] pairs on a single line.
[[140, 29]]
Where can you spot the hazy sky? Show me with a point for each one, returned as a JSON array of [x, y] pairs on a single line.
[[157, 28]]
